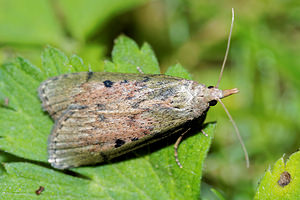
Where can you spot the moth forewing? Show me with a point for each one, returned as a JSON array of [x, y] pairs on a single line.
[[102, 115], [55, 93], [110, 114]]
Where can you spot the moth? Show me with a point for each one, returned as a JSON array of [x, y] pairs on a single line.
[[101, 115]]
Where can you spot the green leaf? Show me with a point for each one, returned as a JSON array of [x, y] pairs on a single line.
[[130, 179], [283, 182], [209, 193], [127, 56], [178, 71], [77, 63], [92, 54], [29, 22], [218, 194], [55, 62], [148, 173], [82, 17], [23, 179], [42, 21], [23, 125]]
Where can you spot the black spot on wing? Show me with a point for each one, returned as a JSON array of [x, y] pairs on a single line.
[[124, 81], [119, 143], [89, 76], [108, 83]]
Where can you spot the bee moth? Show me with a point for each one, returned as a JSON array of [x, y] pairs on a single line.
[[102, 115]]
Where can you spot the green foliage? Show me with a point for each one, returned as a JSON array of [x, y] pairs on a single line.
[[179, 71], [288, 189], [18, 17], [263, 63], [148, 173], [23, 114], [44, 19], [127, 56], [27, 26], [82, 17]]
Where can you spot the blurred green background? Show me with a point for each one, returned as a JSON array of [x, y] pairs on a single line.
[[264, 63]]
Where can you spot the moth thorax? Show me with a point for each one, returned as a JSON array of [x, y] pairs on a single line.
[[201, 98], [213, 94]]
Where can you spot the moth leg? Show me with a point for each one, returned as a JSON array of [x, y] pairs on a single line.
[[204, 133], [176, 147], [140, 70]]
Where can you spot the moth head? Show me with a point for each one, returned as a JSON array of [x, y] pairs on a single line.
[[214, 94]]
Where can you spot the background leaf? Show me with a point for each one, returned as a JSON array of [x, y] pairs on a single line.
[[178, 71], [82, 17], [31, 24], [122, 180], [269, 188], [136, 175], [27, 26], [127, 56]]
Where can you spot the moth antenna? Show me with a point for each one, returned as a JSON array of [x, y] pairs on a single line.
[[237, 133], [227, 50]]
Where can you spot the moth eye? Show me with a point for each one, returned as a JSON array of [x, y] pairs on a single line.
[[209, 87], [212, 102]]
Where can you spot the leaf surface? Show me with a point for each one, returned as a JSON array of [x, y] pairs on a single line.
[[148, 173], [283, 181]]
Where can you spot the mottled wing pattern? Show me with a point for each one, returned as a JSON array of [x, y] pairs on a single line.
[[55, 93], [87, 135], [108, 114]]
